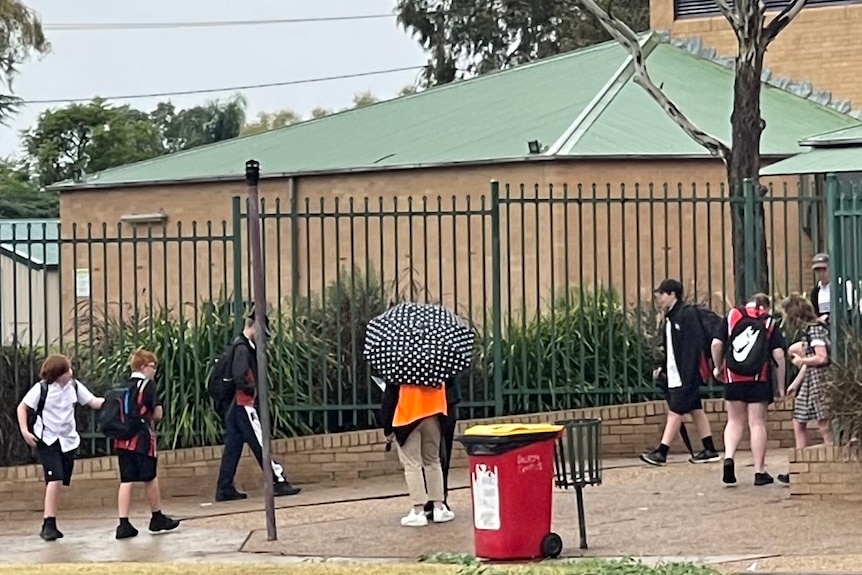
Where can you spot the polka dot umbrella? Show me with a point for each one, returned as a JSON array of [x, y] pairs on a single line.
[[419, 344]]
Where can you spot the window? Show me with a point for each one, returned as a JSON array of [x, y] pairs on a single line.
[[683, 9]]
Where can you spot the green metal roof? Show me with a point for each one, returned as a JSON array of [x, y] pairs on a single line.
[[818, 161], [842, 137], [33, 242], [580, 104]]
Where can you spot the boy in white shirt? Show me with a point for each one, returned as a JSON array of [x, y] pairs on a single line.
[[52, 430]]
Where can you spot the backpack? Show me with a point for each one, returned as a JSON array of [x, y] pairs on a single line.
[[34, 414], [747, 350], [710, 324], [120, 416], [222, 387]]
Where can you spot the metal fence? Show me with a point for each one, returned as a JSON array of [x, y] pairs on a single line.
[[557, 281]]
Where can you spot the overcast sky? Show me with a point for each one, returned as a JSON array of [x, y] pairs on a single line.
[[83, 64]]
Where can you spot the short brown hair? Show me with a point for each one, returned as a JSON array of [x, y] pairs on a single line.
[[141, 358], [760, 299], [54, 367]]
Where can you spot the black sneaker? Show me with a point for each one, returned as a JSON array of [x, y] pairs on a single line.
[[161, 522], [50, 532], [654, 458], [763, 479], [232, 495], [282, 489], [728, 475], [784, 478], [705, 456], [126, 531]]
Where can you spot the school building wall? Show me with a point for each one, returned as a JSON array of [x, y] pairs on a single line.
[[627, 431], [624, 243], [823, 44]]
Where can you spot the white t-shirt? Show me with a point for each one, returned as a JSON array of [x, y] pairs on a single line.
[[674, 379], [57, 421]]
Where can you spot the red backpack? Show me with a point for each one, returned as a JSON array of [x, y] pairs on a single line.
[[747, 353]]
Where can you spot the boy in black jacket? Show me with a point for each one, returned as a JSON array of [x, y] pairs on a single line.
[[242, 423], [686, 369]]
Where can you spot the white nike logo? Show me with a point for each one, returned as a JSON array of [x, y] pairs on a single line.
[[741, 351]]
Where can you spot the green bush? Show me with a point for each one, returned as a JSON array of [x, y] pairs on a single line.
[[589, 349]]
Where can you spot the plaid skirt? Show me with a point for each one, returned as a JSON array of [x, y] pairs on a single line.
[[810, 404]]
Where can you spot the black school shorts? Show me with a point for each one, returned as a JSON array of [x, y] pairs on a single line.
[[58, 465], [136, 467], [754, 392], [685, 399]]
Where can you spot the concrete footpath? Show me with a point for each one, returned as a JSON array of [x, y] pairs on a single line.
[[680, 512]]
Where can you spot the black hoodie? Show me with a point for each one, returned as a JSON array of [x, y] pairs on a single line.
[[689, 341]]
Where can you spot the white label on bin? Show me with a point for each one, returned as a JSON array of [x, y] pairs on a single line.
[[486, 498]]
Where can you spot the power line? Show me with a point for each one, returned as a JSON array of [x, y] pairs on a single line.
[[92, 26], [228, 89]]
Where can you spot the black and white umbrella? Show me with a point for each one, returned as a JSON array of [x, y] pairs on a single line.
[[421, 344]]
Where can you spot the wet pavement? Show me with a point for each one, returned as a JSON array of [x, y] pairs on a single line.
[[680, 511]]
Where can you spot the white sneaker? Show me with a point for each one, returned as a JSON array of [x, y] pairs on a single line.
[[414, 519], [442, 515]]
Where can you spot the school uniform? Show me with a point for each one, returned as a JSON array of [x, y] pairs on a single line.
[[137, 457], [56, 428]]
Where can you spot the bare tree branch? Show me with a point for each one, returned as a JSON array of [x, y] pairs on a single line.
[[629, 40], [781, 21], [729, 12]]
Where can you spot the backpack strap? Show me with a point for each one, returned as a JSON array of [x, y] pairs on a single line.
[[43, 395]]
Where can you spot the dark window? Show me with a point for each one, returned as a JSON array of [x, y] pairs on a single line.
[[708, 8]]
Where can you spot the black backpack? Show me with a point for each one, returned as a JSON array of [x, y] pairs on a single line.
[[747, 349], [222, 387], [120, 416], [710, 324]]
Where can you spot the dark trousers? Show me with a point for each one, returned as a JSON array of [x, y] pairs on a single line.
[[242, 427]]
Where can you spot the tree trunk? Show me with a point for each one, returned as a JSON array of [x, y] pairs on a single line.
[[747, 126]]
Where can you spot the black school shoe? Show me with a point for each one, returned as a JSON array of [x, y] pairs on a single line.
[[50, 532], [704, 456], [126, 531], [654, 458], [231, 495], [161, 522], [728, 474], [283, 489], [763, 479]]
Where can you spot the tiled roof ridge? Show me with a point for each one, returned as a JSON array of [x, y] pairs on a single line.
[[804, 89]]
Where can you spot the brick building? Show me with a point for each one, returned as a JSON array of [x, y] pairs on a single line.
[[822, 46], [576, 120]]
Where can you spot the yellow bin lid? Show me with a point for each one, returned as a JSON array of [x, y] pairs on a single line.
[[510, 429]]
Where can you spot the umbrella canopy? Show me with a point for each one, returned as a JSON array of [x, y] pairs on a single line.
[[421, 344]]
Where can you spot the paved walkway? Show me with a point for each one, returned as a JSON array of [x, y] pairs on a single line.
[[680, 511]]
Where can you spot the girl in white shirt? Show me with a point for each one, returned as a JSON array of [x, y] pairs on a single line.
[[46, 417]]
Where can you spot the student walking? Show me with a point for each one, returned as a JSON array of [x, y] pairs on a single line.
[[137, 457], [747, 355], [241, 420], [685, 369], [810, 353], [46, 417]]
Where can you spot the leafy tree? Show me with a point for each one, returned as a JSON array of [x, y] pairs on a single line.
[[89, 137], [20, 36], [191, 127], [754, 34], [468, 37], [270, 121], [21, 197], [363, 99]]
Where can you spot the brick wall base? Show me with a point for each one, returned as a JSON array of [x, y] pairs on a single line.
[[826, 473], [627, 430]]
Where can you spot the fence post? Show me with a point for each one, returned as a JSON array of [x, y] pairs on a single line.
[[750, 236], [496, 298], [237, 266], [836, 259]]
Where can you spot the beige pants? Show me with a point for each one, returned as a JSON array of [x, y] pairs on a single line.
[[422, 449]]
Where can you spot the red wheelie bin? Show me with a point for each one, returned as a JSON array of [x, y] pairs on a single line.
[[512, 483]]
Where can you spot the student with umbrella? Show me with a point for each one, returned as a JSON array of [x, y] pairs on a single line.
[[417, 348]]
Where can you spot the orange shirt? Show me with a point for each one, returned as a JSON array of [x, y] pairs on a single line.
[[417, 402]]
